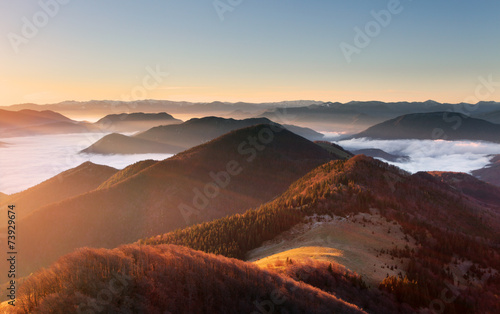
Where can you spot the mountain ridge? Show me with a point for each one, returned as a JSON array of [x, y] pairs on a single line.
[[75, 181], [173, 193], [177, 137], [433, 126]]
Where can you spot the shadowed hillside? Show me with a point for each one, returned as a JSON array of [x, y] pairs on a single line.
[[490, 173], [335, 149], [493, 117], [126, 173], [470, 186], [72, 182], [228, 175], [436, 125]]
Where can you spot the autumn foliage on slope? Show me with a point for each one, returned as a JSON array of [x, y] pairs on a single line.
[[341, 282], [167, 279], [449, 226], [141, 202]]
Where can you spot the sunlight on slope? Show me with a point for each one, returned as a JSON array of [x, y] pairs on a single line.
[[354, 242]]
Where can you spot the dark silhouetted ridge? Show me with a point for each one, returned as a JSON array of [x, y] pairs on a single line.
[[121, 144], [435, 125]]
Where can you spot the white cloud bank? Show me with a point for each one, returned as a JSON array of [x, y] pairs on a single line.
[[27, 161], [429, 155]]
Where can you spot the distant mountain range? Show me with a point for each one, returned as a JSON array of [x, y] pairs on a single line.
[[176, 138], [28, 122], [352, 117], [435, 125], [355, 116], [100, 108], [228, 175]]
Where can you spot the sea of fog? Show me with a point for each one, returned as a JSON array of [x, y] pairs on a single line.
[[431, 155], [27, 161]]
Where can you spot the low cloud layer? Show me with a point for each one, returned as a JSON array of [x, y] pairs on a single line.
[[429, 155], [27, 161]]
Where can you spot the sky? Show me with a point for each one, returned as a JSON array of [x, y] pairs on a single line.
[[255, 51]]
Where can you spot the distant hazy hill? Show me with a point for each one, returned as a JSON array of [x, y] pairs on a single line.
[[436, 125], [197, 131], [378, 153], [335, 149], [26, 117], [493, 117], [192, 186], [172, 279], [133, 122], [356, 116], [121, 144], [100, 108], [490, 173], [30, 122], [325, 116], [75, 181], [175, 138], [455, 226]]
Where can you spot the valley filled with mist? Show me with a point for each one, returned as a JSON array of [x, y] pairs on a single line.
[[344, 212]]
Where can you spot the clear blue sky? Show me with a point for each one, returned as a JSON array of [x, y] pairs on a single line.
[[261, 51]]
